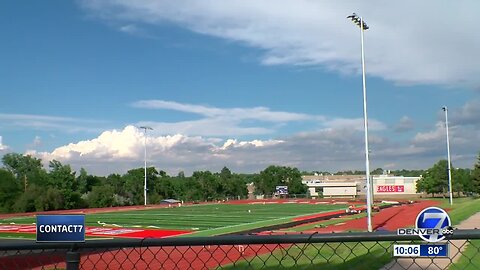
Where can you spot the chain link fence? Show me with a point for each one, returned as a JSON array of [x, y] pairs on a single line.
[[301, 251]]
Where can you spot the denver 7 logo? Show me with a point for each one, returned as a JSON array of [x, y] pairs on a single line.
[[435, 219]]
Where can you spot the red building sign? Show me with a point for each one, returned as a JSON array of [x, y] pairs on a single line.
[[390, 189]]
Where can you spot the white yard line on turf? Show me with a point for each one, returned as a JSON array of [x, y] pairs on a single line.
[[262, 221]]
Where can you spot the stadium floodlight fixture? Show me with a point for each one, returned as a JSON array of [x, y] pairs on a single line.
[[363, 26], [449, 169], [358, 21], [145, 128]]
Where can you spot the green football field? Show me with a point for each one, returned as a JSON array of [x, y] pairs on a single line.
[[207, 219]]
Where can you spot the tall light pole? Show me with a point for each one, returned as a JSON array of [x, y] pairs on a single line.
[[145, 148], [363, 26], [445, 109]]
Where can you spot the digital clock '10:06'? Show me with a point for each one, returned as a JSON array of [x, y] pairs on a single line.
[[423, 250]]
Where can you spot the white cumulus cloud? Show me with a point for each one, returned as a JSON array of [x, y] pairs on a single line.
[[124, 149], [2, 146], [109, 145]]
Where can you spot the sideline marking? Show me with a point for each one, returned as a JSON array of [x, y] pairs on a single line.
[[257, 222]]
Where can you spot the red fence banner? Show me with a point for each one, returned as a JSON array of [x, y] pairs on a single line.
[[390, 189]]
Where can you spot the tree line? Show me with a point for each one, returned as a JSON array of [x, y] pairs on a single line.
[[25, 186], [464, 181]]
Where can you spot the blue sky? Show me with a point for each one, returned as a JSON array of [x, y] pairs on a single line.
[[243, 84]]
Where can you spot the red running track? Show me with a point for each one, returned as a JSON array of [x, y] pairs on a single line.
[[387, 219]]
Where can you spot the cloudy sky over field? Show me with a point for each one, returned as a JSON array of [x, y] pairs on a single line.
[[238, 83]]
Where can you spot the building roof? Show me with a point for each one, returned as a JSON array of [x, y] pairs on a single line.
[[343, 178]]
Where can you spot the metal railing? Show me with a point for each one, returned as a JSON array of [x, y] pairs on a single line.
[[299, 251]]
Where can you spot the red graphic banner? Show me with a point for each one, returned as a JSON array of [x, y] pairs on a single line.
[[390, 189]]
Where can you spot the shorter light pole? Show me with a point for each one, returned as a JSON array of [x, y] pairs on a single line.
[[445, 109], [145, 148]]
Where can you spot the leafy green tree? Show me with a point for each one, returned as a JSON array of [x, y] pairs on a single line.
[[152, 177], [135, 184], [180, 187], [82, 181], [225, 173], [165, 188], [408, 173], [118, 183], [274, 176], [232, 185], [377, 171], [476, 176], [85, 182], [52, 200], [461, 181], [28, 201], [62, 177], [297, 187], [21, 165], [266, 181], [422, 184], [193, 190], [10, 190], [435, 179], [210, 185], [159, 182], [27, 169], [236, 186], [101, 196]]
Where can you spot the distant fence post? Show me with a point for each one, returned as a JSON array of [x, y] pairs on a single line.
[[73, 259]]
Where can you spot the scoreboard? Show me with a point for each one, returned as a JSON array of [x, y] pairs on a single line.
[[281, 190]]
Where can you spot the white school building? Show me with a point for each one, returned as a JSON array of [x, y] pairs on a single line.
[[354, 186]]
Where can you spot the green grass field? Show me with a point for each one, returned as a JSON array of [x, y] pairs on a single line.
[[207, 219], [330, 256]]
